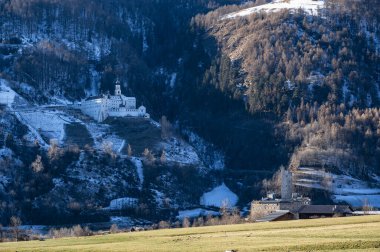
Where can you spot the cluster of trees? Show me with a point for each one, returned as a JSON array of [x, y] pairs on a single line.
[[227, 217], [288, 56], [14, 233], [32, 171], [290, 63], [53, 69], [335, 138]]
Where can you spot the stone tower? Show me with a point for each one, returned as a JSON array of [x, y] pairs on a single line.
[[286, 185], [117, 88]]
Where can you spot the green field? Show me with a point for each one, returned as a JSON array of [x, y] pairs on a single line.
[[337, 234]]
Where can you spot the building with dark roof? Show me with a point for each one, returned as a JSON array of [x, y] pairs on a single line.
[[320, 211], [279, 215], [292, 206]]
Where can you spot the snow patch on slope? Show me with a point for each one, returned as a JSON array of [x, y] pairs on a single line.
[[194, 213], [139, 167], [50, 123], [178, 151], [7, 95], [210, 156], [173, 80], [309, 6], [104, 138], [219, 197], [122, 203], [344, 188]]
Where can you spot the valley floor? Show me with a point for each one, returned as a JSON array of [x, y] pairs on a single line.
[[337, 234]]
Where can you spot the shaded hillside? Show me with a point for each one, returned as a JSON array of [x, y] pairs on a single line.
[[306, 69], [290, 55]]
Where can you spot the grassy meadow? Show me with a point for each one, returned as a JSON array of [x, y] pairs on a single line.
[[332, 234]]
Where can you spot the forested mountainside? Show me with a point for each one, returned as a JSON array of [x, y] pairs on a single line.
[[70, 47], [331, 57], [317, 73], [245, 95], [58, 166]]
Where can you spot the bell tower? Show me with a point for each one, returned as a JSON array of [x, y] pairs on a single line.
[[117, 88]]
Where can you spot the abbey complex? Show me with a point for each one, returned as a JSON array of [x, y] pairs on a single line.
[[103, 106]]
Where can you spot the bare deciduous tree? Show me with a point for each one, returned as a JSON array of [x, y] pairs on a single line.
[[163, 156], [166, 128], [186, 222], [15, 223], [114, 229], [37, 165], [129, 150]]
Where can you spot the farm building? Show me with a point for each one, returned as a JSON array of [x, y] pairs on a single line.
[[292, 206], [320, 211]]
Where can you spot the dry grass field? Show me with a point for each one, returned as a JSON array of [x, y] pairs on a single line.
[[336, 234]]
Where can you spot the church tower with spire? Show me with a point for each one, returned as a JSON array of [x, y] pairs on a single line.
[[117, 88]]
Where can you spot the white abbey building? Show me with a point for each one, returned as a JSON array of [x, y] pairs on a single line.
[[118, 105]]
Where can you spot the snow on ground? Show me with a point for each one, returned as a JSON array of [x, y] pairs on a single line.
[[367, 213], [103, 138], [58, 182], [173, 80], [219, 196], [7, 95], [60, 101], [115, 142], [309, 6], [6, 152], [154, 123], [4, 181], [194, 213], [49, 123], [121, 146], [98, 132], [178, 151], [128, 222], [210, 156], [359, 200], [159, 197], [344, 188], [42, 120], [122, 221], [122, 203], [355, 192], [139, 167], [33, 134]]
